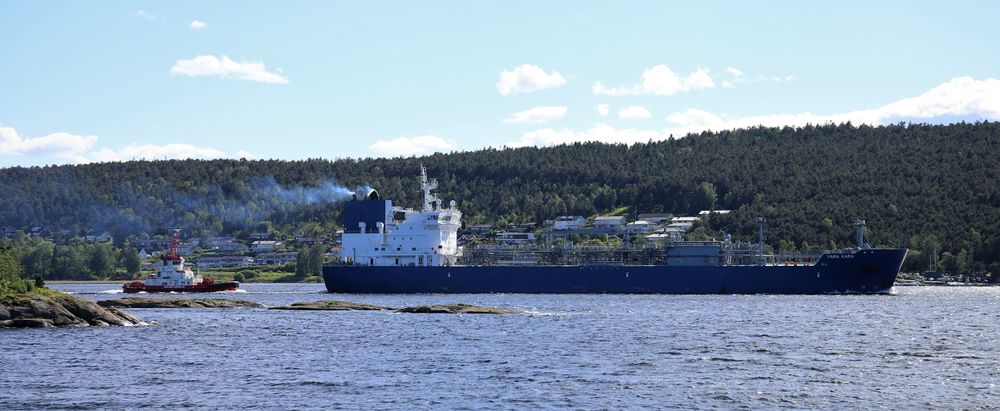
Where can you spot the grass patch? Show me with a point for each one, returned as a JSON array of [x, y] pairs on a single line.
[[259, 277]]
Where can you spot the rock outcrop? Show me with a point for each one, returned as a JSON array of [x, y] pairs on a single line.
[[457, 309], [332, 305], [179, 303], [53, 310]]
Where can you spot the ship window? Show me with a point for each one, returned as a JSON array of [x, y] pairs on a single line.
[[399, 248], [397, 261], [414, 249]]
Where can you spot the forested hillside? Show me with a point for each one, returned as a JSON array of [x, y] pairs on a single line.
[[920, 186]]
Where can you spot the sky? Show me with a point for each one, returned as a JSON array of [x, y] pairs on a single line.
[[91, 81]]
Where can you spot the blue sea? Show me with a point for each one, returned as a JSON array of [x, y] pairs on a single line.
[[921, 348]]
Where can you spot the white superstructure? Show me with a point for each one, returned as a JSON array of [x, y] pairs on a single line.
[[425, 237], [172, 273]]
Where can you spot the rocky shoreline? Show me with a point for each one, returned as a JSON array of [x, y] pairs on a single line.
[[334, 305], [59, 310], [178, 303], [63, 310]]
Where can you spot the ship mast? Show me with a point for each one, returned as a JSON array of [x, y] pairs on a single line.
[[427, 185], [760, 239], [173, 254], [859, 227]]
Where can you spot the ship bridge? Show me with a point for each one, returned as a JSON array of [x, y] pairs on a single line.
[[378, 234]]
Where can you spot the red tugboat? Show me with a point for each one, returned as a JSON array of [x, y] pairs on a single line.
[[173, 276]]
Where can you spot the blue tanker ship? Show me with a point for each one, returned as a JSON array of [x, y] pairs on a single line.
[[388, 249]]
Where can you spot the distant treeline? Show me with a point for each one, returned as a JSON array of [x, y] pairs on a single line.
[[926, 187]]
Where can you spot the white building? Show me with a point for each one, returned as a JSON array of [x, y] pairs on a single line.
[[224, 261], [707, 212], [568, 222], [609, 221], [515, 237], [265, 246], [656, 218], [276, 258], [640, 226], [684, 220]]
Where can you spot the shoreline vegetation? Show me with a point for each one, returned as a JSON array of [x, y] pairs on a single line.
[[28, 303], [927, 188]]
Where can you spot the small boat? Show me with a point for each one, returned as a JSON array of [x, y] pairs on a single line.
[[173, 276]]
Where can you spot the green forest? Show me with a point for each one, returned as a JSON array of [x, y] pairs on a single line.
[[930, 188]]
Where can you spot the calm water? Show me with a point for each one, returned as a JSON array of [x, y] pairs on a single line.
[[925, 347]]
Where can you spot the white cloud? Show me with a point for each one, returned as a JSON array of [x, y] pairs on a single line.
[[602, 109], [226, 68], [734, 71], [634, 113], [537, 115], [145, 15], [155, 152], [64, 147], [198, 25], [412, 145], [694, 117], [961, 98], [599, 132], [662, 81], [527, 78], [60, 145]]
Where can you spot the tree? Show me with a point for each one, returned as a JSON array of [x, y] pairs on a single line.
[[102, 260], [11, 271], [132, 262]]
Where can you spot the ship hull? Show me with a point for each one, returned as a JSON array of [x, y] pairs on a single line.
[[209, 288], [861, 272]]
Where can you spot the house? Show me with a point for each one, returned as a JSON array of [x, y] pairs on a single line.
[[185, 249], [467, 238], [515, 237], [265, 246], [684, 227], [276, 258], [656, 218], [609, 221], [39, 232], [212, 242], [309, 241], [479, 228], [7, 232], [104, 236], [568, 222], [149, 245], [261, 236], [707, 212], [641, 226], [233, 247], [224, 261], [684, 220]]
